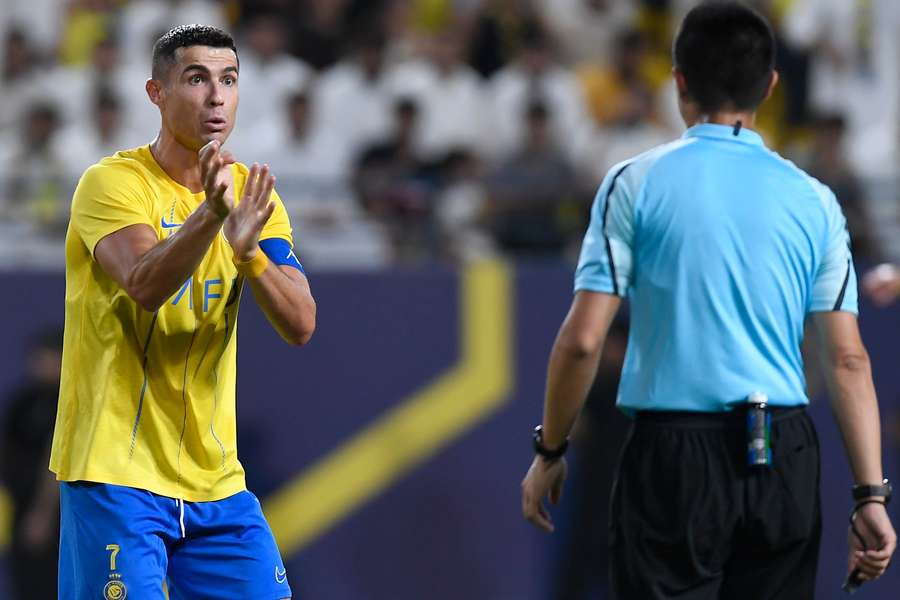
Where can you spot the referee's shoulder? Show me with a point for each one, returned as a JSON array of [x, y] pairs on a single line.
[[635, 169], [790, 172]]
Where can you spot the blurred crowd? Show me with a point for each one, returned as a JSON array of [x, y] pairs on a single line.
[[404, 131]]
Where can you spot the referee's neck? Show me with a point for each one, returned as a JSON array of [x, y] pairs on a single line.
[[731, 119]]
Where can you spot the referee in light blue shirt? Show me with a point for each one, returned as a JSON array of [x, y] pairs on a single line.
[[724, 249]]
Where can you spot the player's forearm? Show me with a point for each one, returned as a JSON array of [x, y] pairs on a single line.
[[287, 303], [570, 374], [161, 271], [855, 408]]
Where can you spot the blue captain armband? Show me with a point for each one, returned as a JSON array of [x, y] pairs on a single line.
[[280, 252]]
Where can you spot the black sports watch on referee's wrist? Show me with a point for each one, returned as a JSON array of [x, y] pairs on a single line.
[[543, 451], [862, 492]]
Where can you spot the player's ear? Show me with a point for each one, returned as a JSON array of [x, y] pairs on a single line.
[[154, 89]]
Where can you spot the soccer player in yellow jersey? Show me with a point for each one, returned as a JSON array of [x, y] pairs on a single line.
[[162, 241]]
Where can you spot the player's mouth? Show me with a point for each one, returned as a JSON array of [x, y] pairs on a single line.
[[216, 124]]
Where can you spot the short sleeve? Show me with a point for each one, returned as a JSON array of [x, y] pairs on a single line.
[[606, 260], [108, 199], [834, 284]]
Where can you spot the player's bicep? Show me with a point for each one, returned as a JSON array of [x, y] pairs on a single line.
[[119, 252]]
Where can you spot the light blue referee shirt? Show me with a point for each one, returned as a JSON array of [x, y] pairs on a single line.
[[723, 247]]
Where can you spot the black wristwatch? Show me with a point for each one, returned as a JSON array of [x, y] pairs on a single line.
[[543, 451], [862, 492]]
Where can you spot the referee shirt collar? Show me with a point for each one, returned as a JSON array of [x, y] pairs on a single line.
[[724, 132]]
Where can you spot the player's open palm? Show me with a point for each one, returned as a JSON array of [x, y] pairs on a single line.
[[249, 216], [215, 173]]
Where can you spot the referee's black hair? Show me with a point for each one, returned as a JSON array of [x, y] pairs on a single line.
[[726, 52], [185, 36]]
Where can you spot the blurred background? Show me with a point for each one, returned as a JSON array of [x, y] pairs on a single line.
[[438, 159]]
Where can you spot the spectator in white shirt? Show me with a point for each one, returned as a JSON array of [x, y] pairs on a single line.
[[535, 76], [450, 97]]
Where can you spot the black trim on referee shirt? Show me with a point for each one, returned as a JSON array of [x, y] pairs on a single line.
[[609, 254], [840, 298]]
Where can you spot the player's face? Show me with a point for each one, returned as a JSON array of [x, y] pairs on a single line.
[[199, 98]]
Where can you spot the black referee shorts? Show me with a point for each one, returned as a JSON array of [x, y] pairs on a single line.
[[689, 519]]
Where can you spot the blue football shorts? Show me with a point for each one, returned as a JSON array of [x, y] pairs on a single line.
[[119, 542]]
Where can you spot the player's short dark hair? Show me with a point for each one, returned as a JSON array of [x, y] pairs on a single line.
[[185, 36], [726, 52]]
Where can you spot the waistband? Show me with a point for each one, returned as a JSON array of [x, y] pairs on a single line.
[[708, 420]]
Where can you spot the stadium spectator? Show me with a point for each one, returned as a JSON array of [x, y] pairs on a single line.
[[141, 22], [84, 143], [534, 75], [27, 430], [266, 65], [354, 97], [608, 85], [722, 274], [85, 25], [460, 205], [319, 28], [531, 190], [35, 188], [449, 95], [854, 48], [313, 177], [827, 162], [19, 79], [635, 130], [587, 29], [497, 32], [73, 88], [395, 185]]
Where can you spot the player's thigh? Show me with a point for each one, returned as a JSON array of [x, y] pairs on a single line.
[[229, 554], [111, 543]]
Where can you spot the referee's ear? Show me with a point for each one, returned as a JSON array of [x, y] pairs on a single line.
[[772, 83]]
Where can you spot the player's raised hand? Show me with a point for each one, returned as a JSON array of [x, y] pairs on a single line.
[[216, 177], [249, 216], [544, 478]]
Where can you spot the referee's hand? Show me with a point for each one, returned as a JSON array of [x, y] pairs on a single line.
[[874, 526], [543, 478]]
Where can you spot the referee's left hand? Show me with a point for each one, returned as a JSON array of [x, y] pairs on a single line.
[[543, 478]]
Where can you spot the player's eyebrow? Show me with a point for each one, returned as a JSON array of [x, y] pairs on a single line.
[[205, 69]]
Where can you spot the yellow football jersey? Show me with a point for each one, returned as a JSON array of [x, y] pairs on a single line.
[[147, 400]]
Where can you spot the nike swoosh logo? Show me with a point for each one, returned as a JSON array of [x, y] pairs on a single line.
[[280, 575], [166, 225]]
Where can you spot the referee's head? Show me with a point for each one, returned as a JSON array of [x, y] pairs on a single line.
[[724, 56]]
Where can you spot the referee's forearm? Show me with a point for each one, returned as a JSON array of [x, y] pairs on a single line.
[[570, 374], [855, 409]]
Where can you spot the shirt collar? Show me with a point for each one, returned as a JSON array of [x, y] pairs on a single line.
[[724, 132]]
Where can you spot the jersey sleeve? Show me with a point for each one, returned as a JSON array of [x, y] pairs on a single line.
[[108, 199], [607, 257], [834, 284]]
